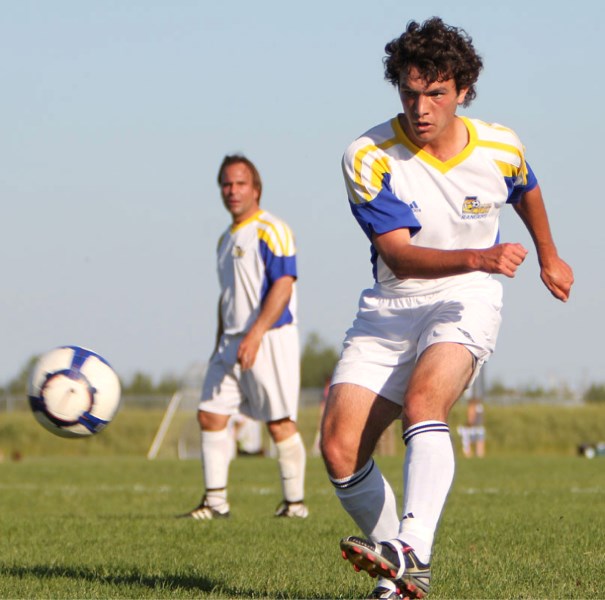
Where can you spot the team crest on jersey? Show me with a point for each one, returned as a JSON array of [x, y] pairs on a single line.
[[473, 208], [238, 252]]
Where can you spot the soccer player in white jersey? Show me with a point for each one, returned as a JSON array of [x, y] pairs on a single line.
[[255, 367], [426, 187]]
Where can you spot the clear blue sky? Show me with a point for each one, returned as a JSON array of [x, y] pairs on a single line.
[[117, 113]]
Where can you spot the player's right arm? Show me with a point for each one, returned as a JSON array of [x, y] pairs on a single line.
[[408, 261], [556, 274]]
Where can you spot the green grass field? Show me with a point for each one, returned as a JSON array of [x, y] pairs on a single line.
[[105, 527], [517, 430]]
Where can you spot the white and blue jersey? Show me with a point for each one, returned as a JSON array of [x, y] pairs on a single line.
[[392, 184], [251, 256]]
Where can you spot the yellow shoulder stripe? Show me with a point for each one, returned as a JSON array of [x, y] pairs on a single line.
[[378, 167], [501, 146], [271, 236]]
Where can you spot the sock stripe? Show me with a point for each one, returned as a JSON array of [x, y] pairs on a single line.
[[425, 427], [354, 479]]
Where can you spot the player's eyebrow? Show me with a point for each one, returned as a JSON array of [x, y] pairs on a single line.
[[438, 90]]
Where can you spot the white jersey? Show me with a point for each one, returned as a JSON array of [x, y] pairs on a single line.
[[393, 184], [251, 256]]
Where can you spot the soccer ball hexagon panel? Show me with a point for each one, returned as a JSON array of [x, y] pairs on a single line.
[[73, 392]]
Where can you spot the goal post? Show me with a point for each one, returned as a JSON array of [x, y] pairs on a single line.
[[173, 405], [179, 419]]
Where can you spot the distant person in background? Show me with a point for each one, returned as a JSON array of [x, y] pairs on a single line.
[[247, 436], [472, 433], [427, 187], [255, 367]]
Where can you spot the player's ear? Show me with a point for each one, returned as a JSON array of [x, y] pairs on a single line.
[[462, 96]]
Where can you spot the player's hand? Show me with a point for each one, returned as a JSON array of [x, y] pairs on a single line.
[[248, 349], [557, 276], [503, 259]]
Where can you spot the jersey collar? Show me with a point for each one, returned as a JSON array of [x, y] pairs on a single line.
[[442, 166], [254, 217]]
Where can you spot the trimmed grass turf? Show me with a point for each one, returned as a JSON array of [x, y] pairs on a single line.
[[102, 527]]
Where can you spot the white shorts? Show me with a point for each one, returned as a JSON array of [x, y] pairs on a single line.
[[268, 391], [390, 333]]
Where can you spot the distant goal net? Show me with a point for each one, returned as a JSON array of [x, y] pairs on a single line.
[[179, 431]]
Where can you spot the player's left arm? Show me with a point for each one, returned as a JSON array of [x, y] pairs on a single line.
[[556, 274], [273, 306]]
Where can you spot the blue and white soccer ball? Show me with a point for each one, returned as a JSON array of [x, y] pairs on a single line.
[[73, 392]]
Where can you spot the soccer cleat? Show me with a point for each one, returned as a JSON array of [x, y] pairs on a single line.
[[292, 510], [384, 593], [204, 512], [393, 560]]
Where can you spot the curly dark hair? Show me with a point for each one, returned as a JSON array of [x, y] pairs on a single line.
[[438, 51]]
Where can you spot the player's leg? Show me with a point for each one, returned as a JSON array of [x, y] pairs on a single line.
[[272, 389], [353, 421], [480, 442], [220, 399], [458, 338], [369, 383], [217, 453], [439, 378], [446, 333], [291, 459], [465, 440]]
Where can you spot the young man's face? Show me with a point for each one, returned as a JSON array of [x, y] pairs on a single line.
[[429, 109], [240, 196]]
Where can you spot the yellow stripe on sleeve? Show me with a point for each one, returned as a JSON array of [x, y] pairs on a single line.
[[357, 166], [507, 169], [501, 146], [280, 244], [353, 196], [378, 167]]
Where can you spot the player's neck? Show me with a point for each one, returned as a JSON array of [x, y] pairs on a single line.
[[242, 218], [450, 142]]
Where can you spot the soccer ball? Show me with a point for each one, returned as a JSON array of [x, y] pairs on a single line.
[[73, 392]]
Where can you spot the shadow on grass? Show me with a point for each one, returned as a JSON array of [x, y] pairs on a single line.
[[161, 582]]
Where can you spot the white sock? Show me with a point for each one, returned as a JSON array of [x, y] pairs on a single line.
[[292, 458], [217, 447], [428, 473], [216, 498], [369, 499]]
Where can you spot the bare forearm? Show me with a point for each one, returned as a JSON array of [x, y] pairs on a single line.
[[274, 304], [417, 262], [556, 274], [428, 263], [532, 211]]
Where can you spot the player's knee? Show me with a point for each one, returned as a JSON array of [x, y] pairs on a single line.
[[340, 453], [282, 429], [211, 421], [420, 406]]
